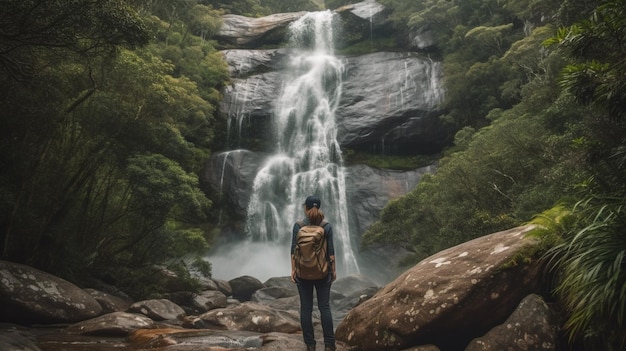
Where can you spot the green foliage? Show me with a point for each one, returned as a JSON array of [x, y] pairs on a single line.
[[537, 127], [103, 135], [591, 277]]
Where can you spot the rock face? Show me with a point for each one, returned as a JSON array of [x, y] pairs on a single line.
[[370, 189], [462, 291], [247, 32], [390, 101], [28, 294], [231, 175]]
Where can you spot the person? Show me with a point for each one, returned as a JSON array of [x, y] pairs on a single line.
[[315, 216]]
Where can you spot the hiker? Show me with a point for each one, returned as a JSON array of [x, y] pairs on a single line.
[[314, 219]]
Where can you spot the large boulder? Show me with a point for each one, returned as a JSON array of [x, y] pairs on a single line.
[[244, 287], [462, 291], [112, 324], [110, 303], [158, 309], [254, 317], [28, 295], [534, 326]]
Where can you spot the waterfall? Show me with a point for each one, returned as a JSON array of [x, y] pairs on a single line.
[[307, 158]]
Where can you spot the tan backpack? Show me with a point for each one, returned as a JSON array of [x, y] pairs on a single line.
[[310, 253]]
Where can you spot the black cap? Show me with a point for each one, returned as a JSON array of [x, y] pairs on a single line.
[[312, 201]]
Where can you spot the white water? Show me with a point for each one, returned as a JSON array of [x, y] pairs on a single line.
[[307, 160]]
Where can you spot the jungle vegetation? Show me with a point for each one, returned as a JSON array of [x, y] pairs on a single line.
[[109, 109]]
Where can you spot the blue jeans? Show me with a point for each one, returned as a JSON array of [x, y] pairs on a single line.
[[322, 287]]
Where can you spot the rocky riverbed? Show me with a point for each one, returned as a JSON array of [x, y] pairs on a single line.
[[474, 296]]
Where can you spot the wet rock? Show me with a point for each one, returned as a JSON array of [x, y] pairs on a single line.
[[14, 338], [110, 303], [244, 63], [224, 287], [158, 309], [291, 303], [112, 324], [271, 293], [343, 306], [251, 32], [28, 295], [282, 282], [351, 284], [244, 286], [254, 317], [391, 102], [534, 326], [187, 339], [462, 291], [214, 299]]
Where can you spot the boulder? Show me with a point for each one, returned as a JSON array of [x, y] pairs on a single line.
[[291, 303], [28, 295], [271, 293], [110, 303], [341, 308], [252, 32], [462, 291], [214, 299], [254, 317], [158, 309], [194, 303], [533, 326], [422, 38], [244, 287], [349, 285], [281, 282], [112, 324], [370, 11], [223, 287]]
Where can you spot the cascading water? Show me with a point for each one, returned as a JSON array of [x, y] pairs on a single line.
[[307, 158]]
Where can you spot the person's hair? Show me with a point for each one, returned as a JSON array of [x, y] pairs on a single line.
[[315, 215]]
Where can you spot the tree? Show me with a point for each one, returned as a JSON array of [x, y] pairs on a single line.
[[85, 27], [590, 265]]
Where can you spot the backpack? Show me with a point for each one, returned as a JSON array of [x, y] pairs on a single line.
[[310, 253]]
